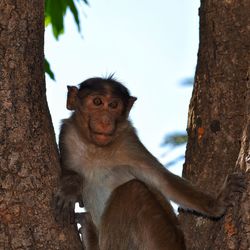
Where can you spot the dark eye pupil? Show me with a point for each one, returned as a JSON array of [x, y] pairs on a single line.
[[113, 105], [97, 101]]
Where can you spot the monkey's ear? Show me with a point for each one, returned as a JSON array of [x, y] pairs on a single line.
[[72, 97], [131, 101]]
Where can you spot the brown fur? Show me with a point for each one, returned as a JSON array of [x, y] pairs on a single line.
[[139, 221]]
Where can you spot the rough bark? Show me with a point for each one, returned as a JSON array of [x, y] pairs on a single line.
[[219, 125], [29, 165]]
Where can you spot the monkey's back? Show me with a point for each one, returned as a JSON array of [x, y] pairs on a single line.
[[135, 219]]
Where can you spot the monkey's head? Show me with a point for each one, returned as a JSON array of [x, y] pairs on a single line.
[[100, 106]]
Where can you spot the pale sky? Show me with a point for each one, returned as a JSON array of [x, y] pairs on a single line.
[[150, 45]]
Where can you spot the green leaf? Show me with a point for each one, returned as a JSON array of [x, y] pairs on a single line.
[[75, 13], [85, 1], [47, 20], [55, 11], [175, 139], [48, 69], [54, 14]]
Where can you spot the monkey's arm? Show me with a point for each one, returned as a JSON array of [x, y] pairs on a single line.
[[71, 183], [69, 192], [148, 169], [184, 193]]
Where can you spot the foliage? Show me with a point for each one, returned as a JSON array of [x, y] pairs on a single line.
[[175, 139], [48, 69], [55, 11], [188, 81], [174, 161]]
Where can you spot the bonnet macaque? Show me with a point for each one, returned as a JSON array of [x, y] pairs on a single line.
[[123, 187]]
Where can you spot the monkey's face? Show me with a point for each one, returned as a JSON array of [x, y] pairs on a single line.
[[100, 110], [103, 115]]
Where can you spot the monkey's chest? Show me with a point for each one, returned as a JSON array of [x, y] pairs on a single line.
[[98, 188], [95, 197]]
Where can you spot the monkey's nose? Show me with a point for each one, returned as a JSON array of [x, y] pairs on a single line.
[[106, 124]]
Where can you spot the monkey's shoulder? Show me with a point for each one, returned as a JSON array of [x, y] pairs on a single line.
[[87, 158], [69, 138]]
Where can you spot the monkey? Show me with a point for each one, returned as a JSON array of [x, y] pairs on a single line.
[[102, 157]]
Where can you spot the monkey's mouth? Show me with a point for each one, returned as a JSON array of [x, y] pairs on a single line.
[[102, 138]]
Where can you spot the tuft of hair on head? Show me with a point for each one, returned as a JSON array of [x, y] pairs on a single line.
[[110, 76]]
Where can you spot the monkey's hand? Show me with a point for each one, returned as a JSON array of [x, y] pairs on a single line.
[[68, 193], [234, 183]]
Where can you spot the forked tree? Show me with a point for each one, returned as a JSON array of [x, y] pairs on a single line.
[[218, 129]]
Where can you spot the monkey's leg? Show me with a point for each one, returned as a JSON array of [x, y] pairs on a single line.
[[137, 219], [88, 231]]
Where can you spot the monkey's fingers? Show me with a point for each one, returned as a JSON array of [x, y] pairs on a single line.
[[59, 205], [71, 212], [66, 212], [81, 203], [236, 177], [238, 189], [237, 183]]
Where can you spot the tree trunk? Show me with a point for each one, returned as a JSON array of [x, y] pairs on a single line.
[[219, 125], [29, 166]]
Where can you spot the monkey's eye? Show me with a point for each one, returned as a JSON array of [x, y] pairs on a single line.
[[97, 101], [113, 104]]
